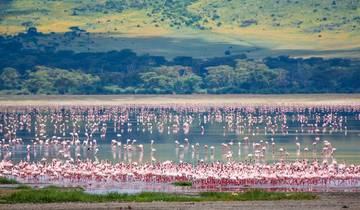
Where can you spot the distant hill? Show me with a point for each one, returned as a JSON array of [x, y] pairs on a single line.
[[314, 25], [179, 46]]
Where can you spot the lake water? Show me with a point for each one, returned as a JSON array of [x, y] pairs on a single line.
[[165, 126]]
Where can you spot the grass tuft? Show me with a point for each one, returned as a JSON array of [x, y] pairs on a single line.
[[4, 180], [182, 184], [23, 187]]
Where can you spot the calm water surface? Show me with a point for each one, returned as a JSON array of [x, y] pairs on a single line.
[[215, 131]]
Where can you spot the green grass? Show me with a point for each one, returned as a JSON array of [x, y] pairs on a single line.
[[23, 187], [253, 195], [182, 184], [4, 180], [55, 194]]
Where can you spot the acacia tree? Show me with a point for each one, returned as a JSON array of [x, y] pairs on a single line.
[[46, 80], [188, 84], [254, 75], [247, 76], [10, 79], [171, 79], [220, 76], [154, 80]]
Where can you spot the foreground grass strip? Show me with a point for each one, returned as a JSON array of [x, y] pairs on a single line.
[[182, 184], [54, 194], [253, 195], [4, 180]]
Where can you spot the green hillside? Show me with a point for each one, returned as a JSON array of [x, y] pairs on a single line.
[[276, 24]]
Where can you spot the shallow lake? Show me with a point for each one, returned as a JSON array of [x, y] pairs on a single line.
[[238, 131]]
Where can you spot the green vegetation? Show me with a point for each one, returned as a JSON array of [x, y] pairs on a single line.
[[4, 180], [182, 184], [308, 16], [247, 75], [46, 71], [23, 187], [292, 24], [167, 79], [305, 16], [253, 195], [46, 80], [54, 194]]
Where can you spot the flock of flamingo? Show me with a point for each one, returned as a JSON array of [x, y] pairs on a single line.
[[74, 134]]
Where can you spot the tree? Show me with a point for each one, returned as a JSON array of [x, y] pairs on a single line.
[[10, 79], [46, 80], [153, 80], [220, 76], [188, 84], [255, 75], [40, 82], [169, 79]]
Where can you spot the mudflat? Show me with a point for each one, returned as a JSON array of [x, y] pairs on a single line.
[[245, 99]]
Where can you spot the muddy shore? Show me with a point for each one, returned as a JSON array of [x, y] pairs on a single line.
[[231, 99]]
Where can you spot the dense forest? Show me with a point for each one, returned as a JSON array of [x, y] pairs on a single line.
[[46, 70]]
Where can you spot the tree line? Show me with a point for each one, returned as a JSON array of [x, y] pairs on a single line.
[[47, 71]]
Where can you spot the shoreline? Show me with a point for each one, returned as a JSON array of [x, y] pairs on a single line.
[[231, 99]]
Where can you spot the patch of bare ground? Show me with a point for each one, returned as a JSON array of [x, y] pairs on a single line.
[[243, 99]]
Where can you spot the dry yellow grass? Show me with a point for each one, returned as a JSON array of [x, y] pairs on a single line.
[[57, 26], [285, 36], [126, 24], [11, 29], [289, 38]]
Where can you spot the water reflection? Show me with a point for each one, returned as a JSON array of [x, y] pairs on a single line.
[[181, 135]]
